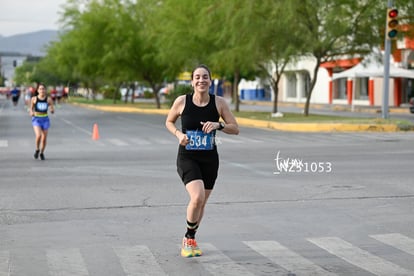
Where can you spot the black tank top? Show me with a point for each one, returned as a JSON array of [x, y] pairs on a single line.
[[192, 115], [41, 105]]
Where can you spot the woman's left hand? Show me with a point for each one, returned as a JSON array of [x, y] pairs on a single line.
[[209, 126]]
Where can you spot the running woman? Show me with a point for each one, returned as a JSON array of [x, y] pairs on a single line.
[[197, 158], [39, 106]]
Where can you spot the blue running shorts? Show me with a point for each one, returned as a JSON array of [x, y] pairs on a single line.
[[42, 122]]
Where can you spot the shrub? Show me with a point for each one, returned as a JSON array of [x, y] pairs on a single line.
[[109, 91], [148, 94], [179, 90]]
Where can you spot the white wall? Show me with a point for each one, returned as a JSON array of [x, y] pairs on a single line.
[[320, 93]]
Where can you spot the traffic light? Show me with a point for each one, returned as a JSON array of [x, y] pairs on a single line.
[[392, 23]]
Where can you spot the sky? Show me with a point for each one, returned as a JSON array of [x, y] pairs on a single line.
[[25, 16]]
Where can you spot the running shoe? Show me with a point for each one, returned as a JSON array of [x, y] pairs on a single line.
[[190, 248], [196, 250], [42, 156], [36, 154], [186, 248]]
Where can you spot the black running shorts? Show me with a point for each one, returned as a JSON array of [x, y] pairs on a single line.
[[202, 165]]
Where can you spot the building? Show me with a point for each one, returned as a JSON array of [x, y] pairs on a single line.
[[8, 63], [367, 88], [354, 90]]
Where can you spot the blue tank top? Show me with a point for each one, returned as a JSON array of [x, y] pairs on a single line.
[[41, 105]]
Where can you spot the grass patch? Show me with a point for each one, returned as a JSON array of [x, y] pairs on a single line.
[[315, 118]]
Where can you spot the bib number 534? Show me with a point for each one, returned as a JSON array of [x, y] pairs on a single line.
[[198, 140]]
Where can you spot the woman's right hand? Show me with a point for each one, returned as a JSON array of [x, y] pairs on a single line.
[[182, 138]]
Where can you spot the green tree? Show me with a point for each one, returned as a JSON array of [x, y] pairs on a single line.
[[108, 43], [60, 62], [175, 30], [2, 77], [33, 70], [120, 42], [148, 67], [276, 47], [23, 73], [81, 45], [222, 35], [236, 45]]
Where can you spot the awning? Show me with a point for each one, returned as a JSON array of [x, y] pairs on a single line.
[[375, 69]]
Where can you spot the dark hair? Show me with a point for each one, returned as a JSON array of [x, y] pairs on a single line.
[[37, 88], [204, 67]]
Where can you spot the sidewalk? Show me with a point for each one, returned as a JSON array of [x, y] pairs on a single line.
[[293, 127]]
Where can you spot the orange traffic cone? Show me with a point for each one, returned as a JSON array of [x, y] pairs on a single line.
[[95, 132]]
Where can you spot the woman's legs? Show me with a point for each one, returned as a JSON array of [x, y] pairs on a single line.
[[207, 195], [43, 140], [40, 141], [198, 199], [38, 135], [196, 192], [195, 210]]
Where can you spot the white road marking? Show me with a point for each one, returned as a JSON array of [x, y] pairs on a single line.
[[286, 258], [138, 260], [396, 240], [359, 257], [4, 143], [118, 142], [5, 265], [219, 264], [66, 262]]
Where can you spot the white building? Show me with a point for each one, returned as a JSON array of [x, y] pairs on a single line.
[[8, 63]]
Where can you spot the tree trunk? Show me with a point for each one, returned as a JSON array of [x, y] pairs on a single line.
[[236, 98], [276, 91], [275, 86], [156, 88], [312, 86], [132, 86], [157, 100], [115, 93], [126, 96]]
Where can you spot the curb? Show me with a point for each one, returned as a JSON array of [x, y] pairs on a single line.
[[292, 127], [319, 127], [124, 109]]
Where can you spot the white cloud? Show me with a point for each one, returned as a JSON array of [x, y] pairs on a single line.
[[23, 16]]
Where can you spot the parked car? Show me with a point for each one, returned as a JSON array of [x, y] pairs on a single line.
[[412, 105], [163, 91]]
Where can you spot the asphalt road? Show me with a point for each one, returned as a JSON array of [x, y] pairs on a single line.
[[285, 203]]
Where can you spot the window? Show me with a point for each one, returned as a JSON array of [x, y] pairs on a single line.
[[339, 91], [291, 85], [361, 88]]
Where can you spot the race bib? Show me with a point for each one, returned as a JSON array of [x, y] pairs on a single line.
[[198, 140], [41, 106]]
